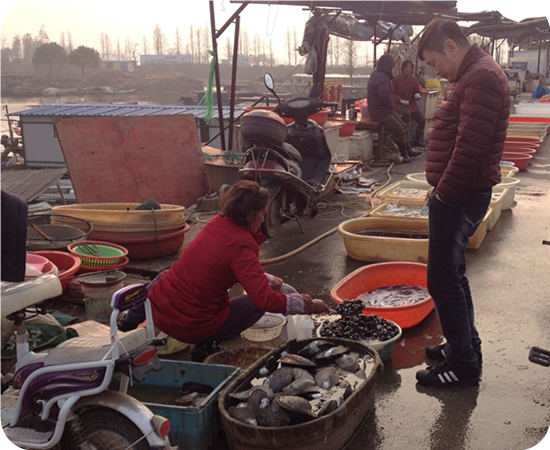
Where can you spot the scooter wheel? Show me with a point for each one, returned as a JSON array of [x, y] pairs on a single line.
[[106, 430]]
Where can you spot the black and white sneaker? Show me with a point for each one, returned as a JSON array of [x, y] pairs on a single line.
[[443, 375], [437, 353]]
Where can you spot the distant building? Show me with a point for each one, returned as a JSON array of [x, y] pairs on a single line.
[[164, 59], [242, 61], [128, 66]]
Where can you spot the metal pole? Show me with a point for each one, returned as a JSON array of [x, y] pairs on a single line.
[[217, 74], [375, 44], [234, 80], [538, 62]]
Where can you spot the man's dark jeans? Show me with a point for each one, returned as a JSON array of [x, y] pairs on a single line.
[[451, 227]]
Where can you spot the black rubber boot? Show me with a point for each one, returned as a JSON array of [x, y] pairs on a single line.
[[404, 152], [412, 152]]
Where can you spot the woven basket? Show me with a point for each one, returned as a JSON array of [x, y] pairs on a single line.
[[266, 329], [98, 262]]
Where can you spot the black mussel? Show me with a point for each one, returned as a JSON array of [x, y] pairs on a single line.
[[244, 415], [327, 377], [279, 379], [296, 360], [295, 404]]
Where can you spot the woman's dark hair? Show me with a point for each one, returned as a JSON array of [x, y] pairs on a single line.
[[244, 198], [405, 63], [436, 34]]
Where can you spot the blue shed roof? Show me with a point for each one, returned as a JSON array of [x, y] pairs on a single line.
[[108, 109]]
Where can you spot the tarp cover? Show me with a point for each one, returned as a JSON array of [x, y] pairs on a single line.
[[133, 159]]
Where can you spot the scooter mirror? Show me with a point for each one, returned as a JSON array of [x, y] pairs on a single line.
[[268, 81]]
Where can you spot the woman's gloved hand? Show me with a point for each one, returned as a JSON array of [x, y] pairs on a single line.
[[404, 102], [417, 96]]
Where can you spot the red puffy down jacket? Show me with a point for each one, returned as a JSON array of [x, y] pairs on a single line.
[[467, 139]]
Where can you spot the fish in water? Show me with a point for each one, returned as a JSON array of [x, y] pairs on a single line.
[[327, 377], [315, 347], [332, 352], [279, 379], [244, 415], [295, 404], [243, 395], [395, 295], [296, 360], [187, 399], [192, 386]]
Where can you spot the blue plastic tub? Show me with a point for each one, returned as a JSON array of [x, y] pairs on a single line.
[[192, 428]]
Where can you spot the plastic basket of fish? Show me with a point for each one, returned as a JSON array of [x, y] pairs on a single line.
[[187, 394], [397, 291], [401, 208], [404, 190], [381, 334], [301, 396]]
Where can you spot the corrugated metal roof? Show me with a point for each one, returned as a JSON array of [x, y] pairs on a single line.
[[107, 109], [29, 183]]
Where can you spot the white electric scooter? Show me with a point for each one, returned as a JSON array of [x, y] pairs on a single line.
[[61, 398]]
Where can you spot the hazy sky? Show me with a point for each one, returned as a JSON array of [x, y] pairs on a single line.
[[86, 19]]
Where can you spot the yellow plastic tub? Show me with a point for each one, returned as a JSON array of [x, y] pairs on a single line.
[[382, 249], [499, 193], [420, 177], [481, 232], [511, 184], [404, 190]]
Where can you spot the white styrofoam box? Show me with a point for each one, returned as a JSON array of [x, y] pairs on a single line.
[[360, 145], [331, 135], [428, 102], [533, 109], [342, 152]]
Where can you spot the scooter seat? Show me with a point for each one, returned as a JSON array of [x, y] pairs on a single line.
[[18, 296], [88, 349]]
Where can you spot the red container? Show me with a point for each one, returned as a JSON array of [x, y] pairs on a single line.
[[521, 160], [531, 119], [347, 129], [67, 264], [146, 248], [531, 141], [519, 149], [378, 275]]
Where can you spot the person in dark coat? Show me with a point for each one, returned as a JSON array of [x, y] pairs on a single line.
[[463, 164], [381, 109], [406, 91]]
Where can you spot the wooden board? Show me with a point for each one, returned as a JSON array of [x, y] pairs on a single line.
[[134, 158]]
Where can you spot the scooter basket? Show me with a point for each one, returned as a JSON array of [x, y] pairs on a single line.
[[263, 126]]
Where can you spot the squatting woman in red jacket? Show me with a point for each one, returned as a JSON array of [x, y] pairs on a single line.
[[190, 301]]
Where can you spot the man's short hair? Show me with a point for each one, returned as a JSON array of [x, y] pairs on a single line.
[[436, 34]]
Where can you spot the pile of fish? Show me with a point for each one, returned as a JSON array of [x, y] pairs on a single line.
[[301, 386], [408, 192], [360, 327], [396, 295], [393, 209]]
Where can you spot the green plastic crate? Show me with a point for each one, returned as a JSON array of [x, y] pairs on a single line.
[[192, 428]]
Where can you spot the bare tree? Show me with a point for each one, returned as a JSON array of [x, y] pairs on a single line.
[[191, 44], [256, 49], [118, 49], [244, 44], [198, 46], [42, 37], [145, 45], [178, 42], [289, 45], [206, 42], [350, 56], [295, 45], [159, 40], [105, 46], [130, 48], [70, 44], [228, 48], [29, 46], [62, 40], [17, 48], [271, 53], [337, 51]]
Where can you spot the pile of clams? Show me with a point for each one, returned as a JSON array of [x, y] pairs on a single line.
[[301, 385]]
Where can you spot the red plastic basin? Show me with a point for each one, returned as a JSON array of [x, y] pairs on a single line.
[[320, 117], [66, 263], [530, 141], [521, 160], [347, 129], [378, 275], [519, 149], [146, 248]]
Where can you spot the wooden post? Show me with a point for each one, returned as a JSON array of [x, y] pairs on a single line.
[[217, 74], [234, 81]]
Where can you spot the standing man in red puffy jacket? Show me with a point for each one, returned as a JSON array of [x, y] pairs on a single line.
[[462, 166]]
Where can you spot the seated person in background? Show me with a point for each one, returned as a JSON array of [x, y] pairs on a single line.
[[406, 91], [381, 108], [190, 302]]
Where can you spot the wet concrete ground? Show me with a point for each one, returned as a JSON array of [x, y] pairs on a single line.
[[510, 281]]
